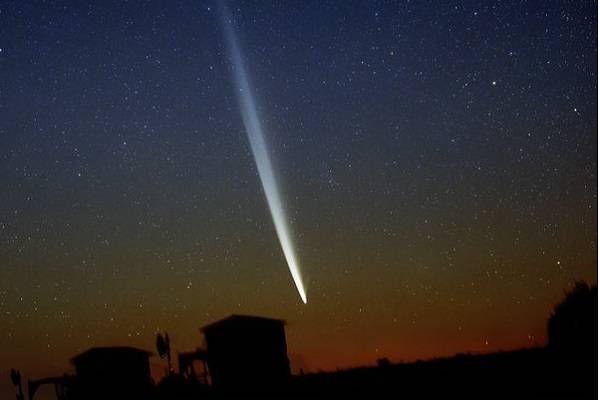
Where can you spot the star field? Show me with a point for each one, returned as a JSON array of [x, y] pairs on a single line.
[[438, 161]]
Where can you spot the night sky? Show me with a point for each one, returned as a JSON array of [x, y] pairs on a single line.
[[437, 160]]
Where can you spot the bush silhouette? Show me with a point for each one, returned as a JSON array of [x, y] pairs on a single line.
[[573, 326]]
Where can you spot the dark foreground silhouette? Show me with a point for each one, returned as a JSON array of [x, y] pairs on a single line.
[[246, 356]]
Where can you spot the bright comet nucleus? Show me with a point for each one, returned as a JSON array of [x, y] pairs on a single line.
[[258, 145]]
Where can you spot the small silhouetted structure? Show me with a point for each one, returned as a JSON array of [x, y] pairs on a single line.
[[247, 354], [186, 366], [112, 373], [62, 386]]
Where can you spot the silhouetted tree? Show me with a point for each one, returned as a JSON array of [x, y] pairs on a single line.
[[163, 346], [383, 362], [573, 326]]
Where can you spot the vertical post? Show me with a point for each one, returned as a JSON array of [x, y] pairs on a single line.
[[168, 353]]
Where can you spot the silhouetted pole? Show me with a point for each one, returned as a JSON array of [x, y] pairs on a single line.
[[168, 353]]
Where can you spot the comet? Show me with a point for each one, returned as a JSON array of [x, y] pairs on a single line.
[[258, 144]]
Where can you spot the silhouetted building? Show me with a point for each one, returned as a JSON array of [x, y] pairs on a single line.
[[247, 353], [112, 373]]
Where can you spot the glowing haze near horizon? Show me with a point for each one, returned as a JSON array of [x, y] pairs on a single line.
[[437, 161], [261, 153]]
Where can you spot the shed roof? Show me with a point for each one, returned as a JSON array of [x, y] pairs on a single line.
[[237, 318], [115, 351]]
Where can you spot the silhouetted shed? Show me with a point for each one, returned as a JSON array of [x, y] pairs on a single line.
[[247, 353], [112, 372]]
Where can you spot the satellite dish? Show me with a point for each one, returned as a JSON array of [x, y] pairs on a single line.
[[162, 346], [15, 377]]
